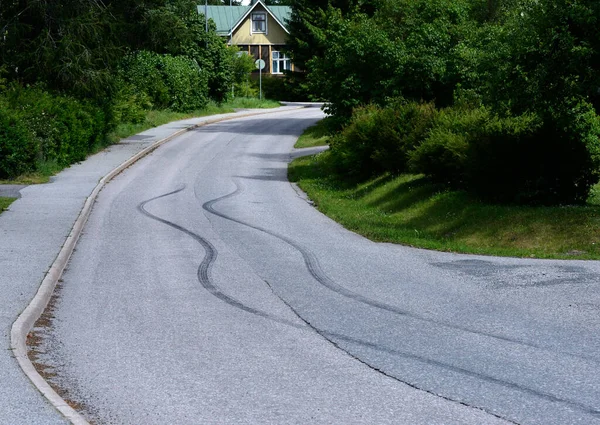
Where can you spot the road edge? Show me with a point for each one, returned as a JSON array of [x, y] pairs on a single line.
[[26, 320]]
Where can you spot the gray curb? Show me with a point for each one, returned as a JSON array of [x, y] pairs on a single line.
[[24, 323]]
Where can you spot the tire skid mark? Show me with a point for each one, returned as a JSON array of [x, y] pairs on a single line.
[[321, 277], [204, 269], [314, 267], [204, 278]]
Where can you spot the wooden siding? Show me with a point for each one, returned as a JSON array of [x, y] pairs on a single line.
[[275, 33]]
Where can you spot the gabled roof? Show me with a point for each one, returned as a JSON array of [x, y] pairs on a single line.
[[228, 18]]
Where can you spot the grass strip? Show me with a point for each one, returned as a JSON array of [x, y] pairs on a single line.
[[410, 210], [316, 135], [5, 202], [156, 118]]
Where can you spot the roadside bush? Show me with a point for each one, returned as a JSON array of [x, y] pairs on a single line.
[[379, 140], [289, 87], [443, 153], [18, 147], [526, 159], [187, 83], [65, 130], [173, 82], [141, 71], [129, 105], [273, 87]]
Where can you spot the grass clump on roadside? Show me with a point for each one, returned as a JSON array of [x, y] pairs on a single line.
[[316, 135], [409, 209], [5, 202]]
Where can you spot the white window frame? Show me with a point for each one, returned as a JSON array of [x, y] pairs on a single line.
[[280, 58], [264, 21]]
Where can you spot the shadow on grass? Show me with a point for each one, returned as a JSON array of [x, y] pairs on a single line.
[[412, 210]]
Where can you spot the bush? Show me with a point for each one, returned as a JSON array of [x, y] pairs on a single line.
[[379, 140], [18, 147], [129, 105], [64, 130], [551, 161], [187, 83], [273, 87], [443, 153], [174, 82], [525, 159]]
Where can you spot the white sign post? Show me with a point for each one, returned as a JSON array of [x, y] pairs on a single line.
[[260, 65]]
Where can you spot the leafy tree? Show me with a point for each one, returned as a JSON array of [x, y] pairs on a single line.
[[357, 67], [308, 21], [67, 44]]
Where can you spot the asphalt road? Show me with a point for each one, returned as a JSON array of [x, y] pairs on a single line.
[[205, 289]]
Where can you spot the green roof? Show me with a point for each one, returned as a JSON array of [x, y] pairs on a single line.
[[227, 17]]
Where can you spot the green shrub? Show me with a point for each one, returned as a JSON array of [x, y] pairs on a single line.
[[379, 140], [173, 82], [141, 70], [129, 105], [18, 147], [443, 153], [552, 161], [525, 159], [187, 83], [273, 87], [65, 129]]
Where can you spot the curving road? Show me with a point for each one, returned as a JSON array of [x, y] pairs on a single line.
[[205, 289]]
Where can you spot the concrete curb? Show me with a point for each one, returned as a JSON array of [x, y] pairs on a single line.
[[26, 320]]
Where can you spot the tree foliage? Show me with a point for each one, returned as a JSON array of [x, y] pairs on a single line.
[[515, 83], [71, 70]]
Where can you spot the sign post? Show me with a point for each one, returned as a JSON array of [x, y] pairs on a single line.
[[260, 65]]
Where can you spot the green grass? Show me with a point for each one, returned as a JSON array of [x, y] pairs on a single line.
[[5, 202], [252, 103], [410, 210], [316, 135], [156, 118], [45, 170]]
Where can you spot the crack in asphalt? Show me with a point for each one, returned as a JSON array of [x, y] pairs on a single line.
[[312, 264], [203, 275], [319, 275]]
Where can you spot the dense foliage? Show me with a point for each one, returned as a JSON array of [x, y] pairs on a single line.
[[498, 98], [72, 70]]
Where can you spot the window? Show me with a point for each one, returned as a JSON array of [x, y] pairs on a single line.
[[281, 62], [259, 22]]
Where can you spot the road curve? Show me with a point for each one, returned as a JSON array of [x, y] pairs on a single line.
[[206, 290]]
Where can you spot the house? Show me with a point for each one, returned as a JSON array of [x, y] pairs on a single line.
[[257, 29]]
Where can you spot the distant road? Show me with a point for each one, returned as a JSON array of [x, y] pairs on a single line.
[[206, 290]]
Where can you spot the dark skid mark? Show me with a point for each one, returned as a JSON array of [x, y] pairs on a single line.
[[315, 270], [320, 276], [204, 278], [210, 256]]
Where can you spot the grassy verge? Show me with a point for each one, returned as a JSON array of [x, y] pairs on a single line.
[[156, 118], [316, 135], [410, 210], [153, 119], [5, 202]]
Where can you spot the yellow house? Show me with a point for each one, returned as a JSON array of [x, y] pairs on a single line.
[[257, 29]]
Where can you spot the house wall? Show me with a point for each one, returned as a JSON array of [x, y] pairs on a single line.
[[275, 34]]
